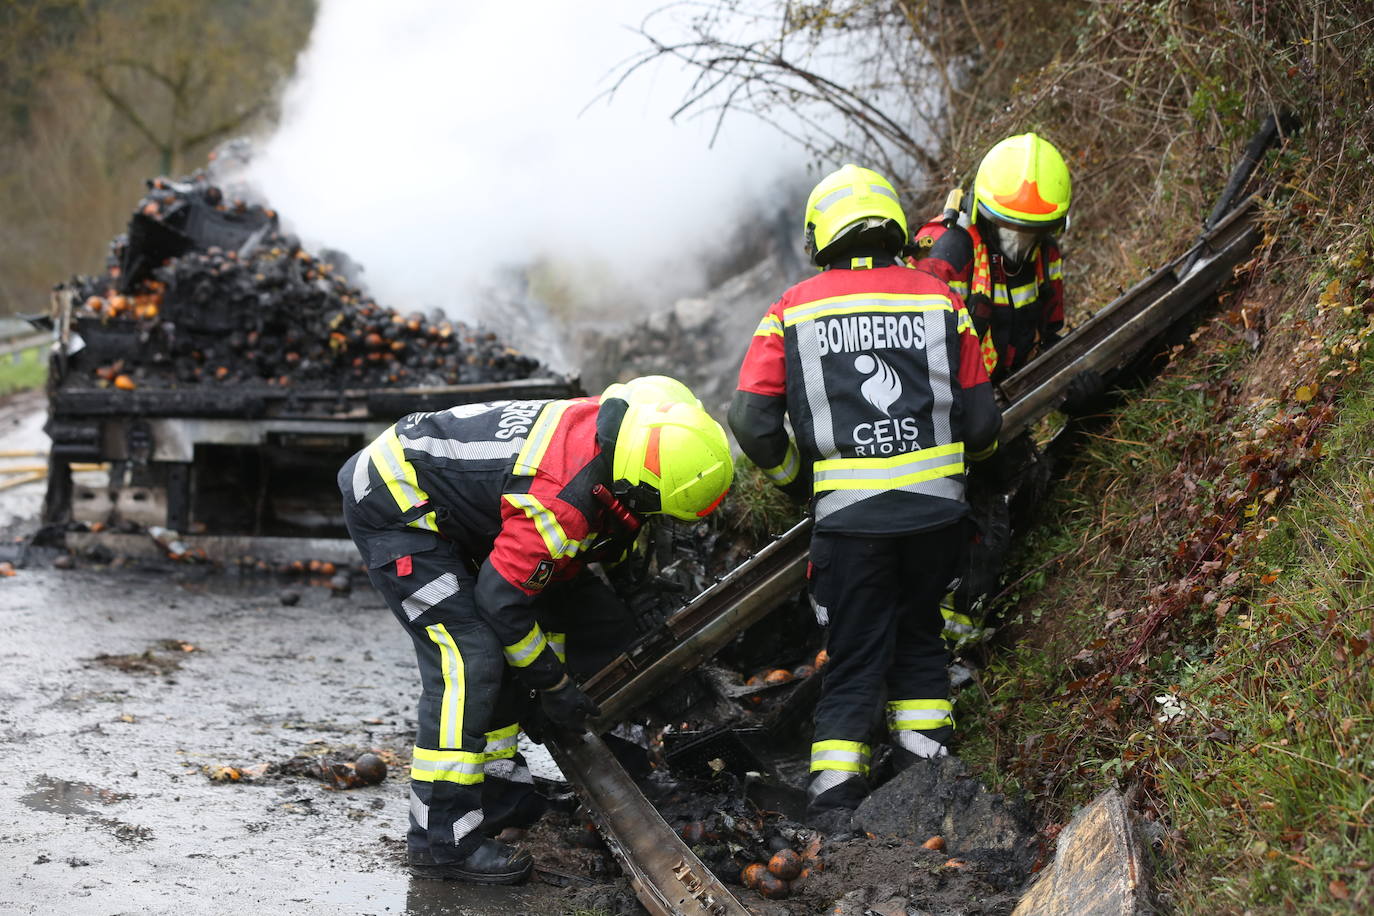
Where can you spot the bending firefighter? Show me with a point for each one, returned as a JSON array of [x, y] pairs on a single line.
[[878, 369], [476, 524]]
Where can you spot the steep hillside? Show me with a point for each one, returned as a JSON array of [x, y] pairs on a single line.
[[1189, 616]]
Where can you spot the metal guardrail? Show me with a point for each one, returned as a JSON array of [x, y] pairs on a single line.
[[20, 344]]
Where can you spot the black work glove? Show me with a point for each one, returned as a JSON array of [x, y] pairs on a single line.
[[566, 708], [1083, 393]]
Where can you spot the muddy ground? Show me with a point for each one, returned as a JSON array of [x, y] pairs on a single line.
[[132, 693]]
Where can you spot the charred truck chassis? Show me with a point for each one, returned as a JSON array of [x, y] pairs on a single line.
[[227, 460]]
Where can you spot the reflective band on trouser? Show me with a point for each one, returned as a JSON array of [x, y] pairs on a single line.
[[541, 434], [523, 653], [955, 623], [786, 472], [419, 811], [843, 756], [455, 688], [769, 326], [388, 457], [546, 523], [430, 594], [825, 780], [466, 824], [462, 767], [502, 742], [917, 715]]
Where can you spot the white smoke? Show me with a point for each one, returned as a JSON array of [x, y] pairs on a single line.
[[441, 144]]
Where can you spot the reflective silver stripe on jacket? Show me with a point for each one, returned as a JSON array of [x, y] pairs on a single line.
[[832, 501], [786, 472], [941, 385], [813, 382], [458, 450]]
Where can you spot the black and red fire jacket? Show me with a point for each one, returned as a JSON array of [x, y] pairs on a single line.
[[510, 483], [878, 369]]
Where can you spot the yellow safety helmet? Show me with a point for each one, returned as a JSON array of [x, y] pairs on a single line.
[[651, 388], [673, 458], [849, 202], [1023, 183]]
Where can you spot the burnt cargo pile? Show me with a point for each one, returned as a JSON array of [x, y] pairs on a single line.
[[204, 290]]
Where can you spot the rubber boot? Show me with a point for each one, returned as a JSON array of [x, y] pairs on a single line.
[[831, 809], [489, 863]]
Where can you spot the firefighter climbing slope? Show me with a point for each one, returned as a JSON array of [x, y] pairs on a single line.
[[1001, 255], [476, 524], [878, 368]]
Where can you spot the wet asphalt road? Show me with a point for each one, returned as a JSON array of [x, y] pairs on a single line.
[[105, 805]]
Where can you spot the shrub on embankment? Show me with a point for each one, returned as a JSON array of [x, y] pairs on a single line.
[[1192, 612]]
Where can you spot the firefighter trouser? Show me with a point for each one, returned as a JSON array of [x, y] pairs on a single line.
[[469, 701], [880, 598], [466, 765]]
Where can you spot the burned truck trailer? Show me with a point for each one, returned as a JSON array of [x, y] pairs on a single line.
[[244, 461], [221, 373]]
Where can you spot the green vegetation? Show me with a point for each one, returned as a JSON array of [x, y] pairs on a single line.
[[756, 510], [23, 370]]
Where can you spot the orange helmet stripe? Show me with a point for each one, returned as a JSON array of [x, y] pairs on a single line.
[[1027, 199], [651, 452]]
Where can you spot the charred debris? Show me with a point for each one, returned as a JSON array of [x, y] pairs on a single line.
[[207, 290]]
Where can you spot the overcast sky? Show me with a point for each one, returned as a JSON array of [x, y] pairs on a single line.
[[437, 141]]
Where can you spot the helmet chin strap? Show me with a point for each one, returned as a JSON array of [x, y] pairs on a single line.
[[634, 500]]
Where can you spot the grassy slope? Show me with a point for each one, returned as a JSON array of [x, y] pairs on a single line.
[[1193, 617]]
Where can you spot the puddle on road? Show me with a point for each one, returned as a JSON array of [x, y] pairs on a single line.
[[72, 799], [58, 796]]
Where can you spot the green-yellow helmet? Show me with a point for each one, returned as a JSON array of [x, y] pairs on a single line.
[[849, 202], [651, 388], [1023, 183], [673, 458]]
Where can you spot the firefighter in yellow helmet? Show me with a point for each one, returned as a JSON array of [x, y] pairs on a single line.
[[476, 524], [877, 367], [1001, 255]]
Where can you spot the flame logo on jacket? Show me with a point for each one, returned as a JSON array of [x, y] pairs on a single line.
[[882, 388]]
